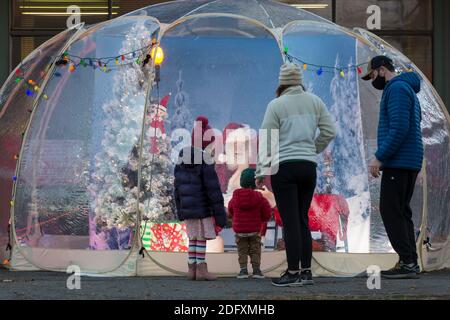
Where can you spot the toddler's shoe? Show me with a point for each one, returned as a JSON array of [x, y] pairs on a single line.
[[257, 274], [243, 274]]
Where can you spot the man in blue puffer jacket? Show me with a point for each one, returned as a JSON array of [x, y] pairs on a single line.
[[400, 157]]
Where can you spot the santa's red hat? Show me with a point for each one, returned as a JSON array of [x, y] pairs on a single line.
[[230, 128]]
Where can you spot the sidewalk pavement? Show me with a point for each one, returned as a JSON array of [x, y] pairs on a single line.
[[52, 285]]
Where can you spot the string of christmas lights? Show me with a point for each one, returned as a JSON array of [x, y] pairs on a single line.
[[31, 87], [103, 63], [320, 69], [142, 56]]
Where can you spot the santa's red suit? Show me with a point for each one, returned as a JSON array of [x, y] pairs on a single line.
[[328, 215]]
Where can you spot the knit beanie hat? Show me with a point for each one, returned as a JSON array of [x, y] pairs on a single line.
[[248, 178], [201, 126], [290, 75]]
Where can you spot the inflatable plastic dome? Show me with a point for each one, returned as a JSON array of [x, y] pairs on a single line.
[[90, 129]]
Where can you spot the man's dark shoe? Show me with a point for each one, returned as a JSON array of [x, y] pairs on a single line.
[[306, 277], [401, 271], [288, 279], [416, 269]]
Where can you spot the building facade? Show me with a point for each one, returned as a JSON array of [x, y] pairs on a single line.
[[418, 28]]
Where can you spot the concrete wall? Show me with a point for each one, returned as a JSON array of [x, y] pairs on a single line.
[[441, 67]]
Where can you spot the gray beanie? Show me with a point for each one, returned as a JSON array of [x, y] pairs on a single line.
[[291, 75]]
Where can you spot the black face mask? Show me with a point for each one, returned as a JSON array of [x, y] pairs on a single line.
[[379, 83]]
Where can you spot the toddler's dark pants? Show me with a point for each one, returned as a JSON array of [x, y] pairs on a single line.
[[249, 246]]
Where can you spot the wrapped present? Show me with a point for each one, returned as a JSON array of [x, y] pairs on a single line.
[[167, 236]]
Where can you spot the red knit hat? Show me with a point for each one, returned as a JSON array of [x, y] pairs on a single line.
[[203, 122]]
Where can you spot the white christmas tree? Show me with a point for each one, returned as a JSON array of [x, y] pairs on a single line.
[[114, 195], [348, 147]]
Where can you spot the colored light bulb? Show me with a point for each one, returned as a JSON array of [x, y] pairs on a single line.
[[157, 55]]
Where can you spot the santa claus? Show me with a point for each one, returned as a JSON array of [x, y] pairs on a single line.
[[240, 152]]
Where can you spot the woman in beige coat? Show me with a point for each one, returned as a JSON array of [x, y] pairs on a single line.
[[296, 115]]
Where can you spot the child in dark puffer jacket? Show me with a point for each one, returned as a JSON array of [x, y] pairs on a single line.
[[249, 211], [199, 203]]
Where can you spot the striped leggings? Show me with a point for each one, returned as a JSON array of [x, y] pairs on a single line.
[[197, 250]]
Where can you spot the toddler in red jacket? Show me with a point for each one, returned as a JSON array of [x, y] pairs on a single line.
[[249, 211]]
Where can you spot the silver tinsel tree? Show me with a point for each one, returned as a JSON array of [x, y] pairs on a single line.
[[112, 188]]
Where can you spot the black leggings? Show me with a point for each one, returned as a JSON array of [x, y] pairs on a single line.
[[294, 186]]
